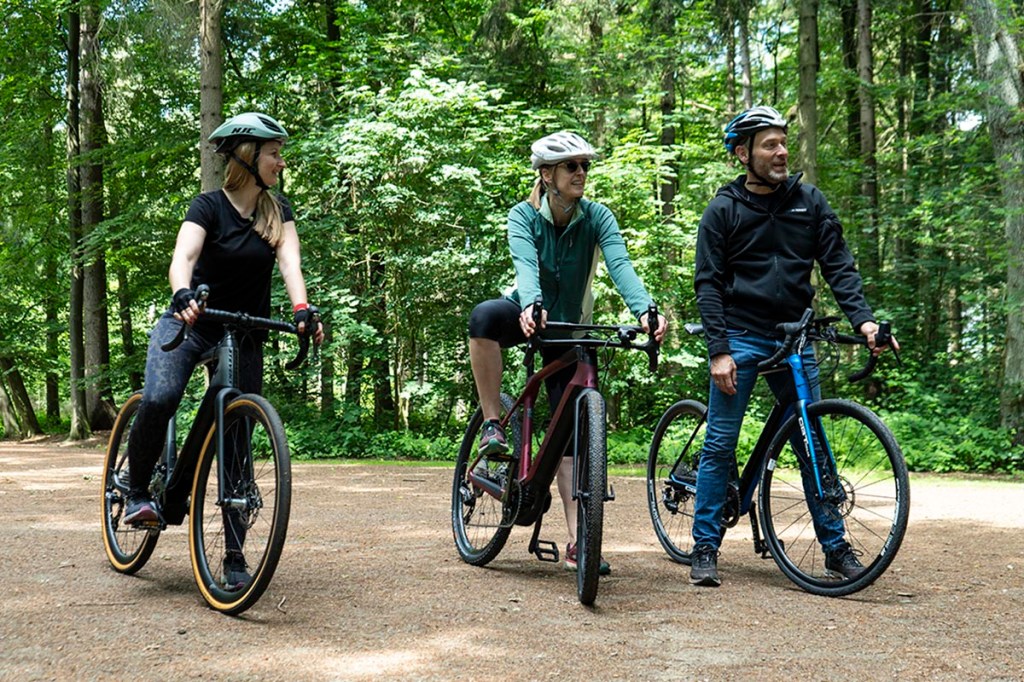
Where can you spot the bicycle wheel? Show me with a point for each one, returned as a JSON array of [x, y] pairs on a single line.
[[672, 476], [128, 548], [592, 484], [236, 540], [480, 522], [866, 491]]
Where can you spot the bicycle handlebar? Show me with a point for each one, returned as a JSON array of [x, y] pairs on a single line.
[[822, 329], [792, 331], [625, 335], [248, 322]]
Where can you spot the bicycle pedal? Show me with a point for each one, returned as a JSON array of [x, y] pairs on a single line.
[[545, 550]]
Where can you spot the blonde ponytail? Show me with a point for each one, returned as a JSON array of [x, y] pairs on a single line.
[[537, 193], [269, 219]]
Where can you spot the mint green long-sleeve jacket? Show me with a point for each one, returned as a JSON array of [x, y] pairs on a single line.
[[562, 268]]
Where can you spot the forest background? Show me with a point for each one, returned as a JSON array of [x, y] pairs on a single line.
[[411, 122]]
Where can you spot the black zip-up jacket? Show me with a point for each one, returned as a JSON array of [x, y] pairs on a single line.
[[755, 254]]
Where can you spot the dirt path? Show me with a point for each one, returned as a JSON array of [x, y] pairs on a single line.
[[370, 586]]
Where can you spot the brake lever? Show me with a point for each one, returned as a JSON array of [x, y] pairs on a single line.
[[654, 348]]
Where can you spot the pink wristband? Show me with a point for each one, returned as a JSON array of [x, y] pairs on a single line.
[[299, 306]]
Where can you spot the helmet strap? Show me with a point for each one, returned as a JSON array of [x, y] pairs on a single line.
[[251, 167], [566, 208], [749, 165]]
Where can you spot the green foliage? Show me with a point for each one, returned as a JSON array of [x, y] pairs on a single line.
[[944, 442], [411, 128]]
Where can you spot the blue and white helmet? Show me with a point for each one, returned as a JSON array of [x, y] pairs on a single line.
[[749, 123], [558, 147]]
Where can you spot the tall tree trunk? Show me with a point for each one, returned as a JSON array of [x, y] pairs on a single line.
[[868, 256], [597, 77], [746, 68], [848, 12], [124, 314], [76, 328], [14, 385], [728, 28], [52, 300], [807, 108], [9, 420], [99, 406], [998, 52], [666, 29], [380, 361], [211, 92]]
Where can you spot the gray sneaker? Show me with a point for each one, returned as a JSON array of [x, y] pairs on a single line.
[[843, 563], [704, 566]]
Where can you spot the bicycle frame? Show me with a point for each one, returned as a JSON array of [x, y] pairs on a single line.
[[776, 418], [538, 472], [181, 465], [792, 351]]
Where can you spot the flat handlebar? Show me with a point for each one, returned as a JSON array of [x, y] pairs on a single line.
[[611, 336]]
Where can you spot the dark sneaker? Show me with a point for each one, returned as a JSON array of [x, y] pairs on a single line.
[[843, 562], [492, 441], [704, 566], [570, 561], [140, 511], [236, 576]]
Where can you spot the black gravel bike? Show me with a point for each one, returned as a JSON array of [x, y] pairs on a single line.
[[836, 456], [231, 477]]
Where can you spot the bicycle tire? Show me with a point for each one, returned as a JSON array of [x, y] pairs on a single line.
[[676, 445], [257, 475], [869, 484], [592, 484], [128, 548], [480, 525]]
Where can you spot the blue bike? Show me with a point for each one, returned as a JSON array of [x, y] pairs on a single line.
[[834, 454]]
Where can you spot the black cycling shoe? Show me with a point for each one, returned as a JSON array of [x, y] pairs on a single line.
[[704, 566], [140, 511], [843, 562], [236, 574]]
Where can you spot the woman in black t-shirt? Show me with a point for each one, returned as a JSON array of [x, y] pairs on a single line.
[[229, 240]]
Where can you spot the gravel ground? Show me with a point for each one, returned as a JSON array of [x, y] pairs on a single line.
[[370, 587]]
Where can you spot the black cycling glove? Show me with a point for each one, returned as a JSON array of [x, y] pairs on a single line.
[[181, 299], [306, 315]]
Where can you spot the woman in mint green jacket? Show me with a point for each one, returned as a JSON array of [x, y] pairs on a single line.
[[554, 238]]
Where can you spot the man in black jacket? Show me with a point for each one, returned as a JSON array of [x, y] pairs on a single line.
[[757, 244]]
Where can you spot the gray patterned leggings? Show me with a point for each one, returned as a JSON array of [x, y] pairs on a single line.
[[167, 376]]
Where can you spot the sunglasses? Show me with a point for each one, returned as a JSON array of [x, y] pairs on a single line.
[[573, 166]]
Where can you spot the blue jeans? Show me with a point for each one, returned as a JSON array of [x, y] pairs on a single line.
[[725, 417]]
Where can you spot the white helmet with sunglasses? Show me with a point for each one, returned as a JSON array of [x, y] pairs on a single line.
[[557, 147]]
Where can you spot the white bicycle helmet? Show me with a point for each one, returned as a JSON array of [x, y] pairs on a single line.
[[246, 127], [557, 147]]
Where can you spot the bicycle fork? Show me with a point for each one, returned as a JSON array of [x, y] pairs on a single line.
[[581, 491], [813, 435]]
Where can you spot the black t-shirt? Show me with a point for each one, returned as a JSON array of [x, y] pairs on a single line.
[[235, 262]]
